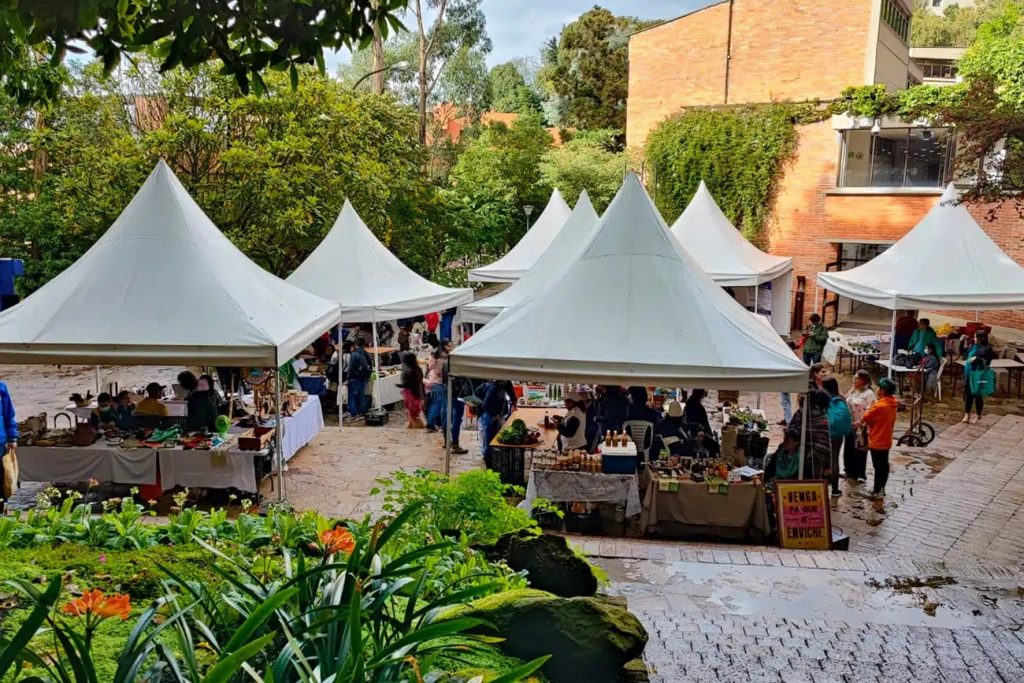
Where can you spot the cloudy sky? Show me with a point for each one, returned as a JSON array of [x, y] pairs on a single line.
[[518, 28]]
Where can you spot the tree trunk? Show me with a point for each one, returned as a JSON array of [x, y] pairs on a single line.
[[423, 90], [378, 56]]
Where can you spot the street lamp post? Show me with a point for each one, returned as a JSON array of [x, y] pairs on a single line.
[[397, 66], [528, 209]]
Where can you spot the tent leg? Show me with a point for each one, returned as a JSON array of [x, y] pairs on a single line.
[[376, 365], [892, 342], [97, 379], [278, 429], [448, 429], [803, 433], [756, 288]]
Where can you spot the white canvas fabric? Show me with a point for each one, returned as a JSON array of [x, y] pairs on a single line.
[[521, 258], [352, 267], [946, 262], [720, 249], [164, 286], [633, 309], [575, 235]]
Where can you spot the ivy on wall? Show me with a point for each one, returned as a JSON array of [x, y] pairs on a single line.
[[917, 102], [738, 151]]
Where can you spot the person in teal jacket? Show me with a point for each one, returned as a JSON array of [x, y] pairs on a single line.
[[840, 425], [922, 336]]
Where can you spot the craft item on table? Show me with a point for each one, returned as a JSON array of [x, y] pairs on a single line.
[[128, 444], [84, 435], [573, 461], [748, 472], [31, 429], [223, 424], [81, 401], [114, 441]]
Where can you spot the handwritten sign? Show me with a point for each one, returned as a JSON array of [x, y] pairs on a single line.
[[803, 512]]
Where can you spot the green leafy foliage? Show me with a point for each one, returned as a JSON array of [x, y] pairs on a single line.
[[739, 152], [590, 71], [248, 38], [998, 55], [957, 26], [359, 600], [589, 161], [272, 172], [494, 178]]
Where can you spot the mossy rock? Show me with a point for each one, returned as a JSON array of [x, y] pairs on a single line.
[[589, 638], [460, 665], [550, 563]]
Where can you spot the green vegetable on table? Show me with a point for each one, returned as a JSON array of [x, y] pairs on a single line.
[[515, 433]]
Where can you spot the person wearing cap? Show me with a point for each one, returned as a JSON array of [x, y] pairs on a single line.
[[880, 419], [572, 429], [151, 405]]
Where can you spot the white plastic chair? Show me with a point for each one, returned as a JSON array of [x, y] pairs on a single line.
[[642, 433]]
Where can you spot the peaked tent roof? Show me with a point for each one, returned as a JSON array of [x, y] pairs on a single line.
[[352, 267], [521, 258], [720, 249], [164, 286], [633, 308], [947, 261], [574, 235]]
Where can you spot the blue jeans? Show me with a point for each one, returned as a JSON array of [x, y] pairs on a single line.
[[812, 358], [356, 397], [787, 407], [437, 400], [490, 426], [458, 409]]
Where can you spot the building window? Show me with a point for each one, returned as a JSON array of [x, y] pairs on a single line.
[[897, 157], [896, 18], [936, 3], [946, 71]]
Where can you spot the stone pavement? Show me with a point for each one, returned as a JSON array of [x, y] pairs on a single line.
[[974, 509]]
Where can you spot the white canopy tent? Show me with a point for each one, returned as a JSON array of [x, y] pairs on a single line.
[[534, 243], [164, 286], [575, 235], [352, 267], [946, 262], [633, 308], [730, 259]]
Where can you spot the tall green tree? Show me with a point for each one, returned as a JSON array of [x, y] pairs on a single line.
[[591, 69], [495, 177], [247, 37], [956, 27], [271, 172], [587, 161]]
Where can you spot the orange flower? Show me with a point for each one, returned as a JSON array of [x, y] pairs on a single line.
[[337, 541], [94, 602]]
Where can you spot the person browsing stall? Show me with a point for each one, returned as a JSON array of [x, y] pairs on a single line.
[[881, 420], [572, 429], [922, 336], [201, 401], [978, 378], [359, 372], [151, 404], [840, 426], [859, 399], [638, 408], [815, 337]]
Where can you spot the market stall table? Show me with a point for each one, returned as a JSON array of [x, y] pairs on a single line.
[[898, 370], [513, 468], [1012, 368], [562, 486], [692, 511], [390, 392], [314, 385], [301, 427]]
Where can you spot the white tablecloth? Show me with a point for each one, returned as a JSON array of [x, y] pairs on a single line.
[[562, 487], [300, 428], [99, 461], [219, 469], [389, 391]]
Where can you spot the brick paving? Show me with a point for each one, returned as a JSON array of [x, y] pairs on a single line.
[[974, 509]]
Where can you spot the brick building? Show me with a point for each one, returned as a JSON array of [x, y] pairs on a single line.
[[853, 187]]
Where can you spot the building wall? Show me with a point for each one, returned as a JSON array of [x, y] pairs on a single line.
[[809, 220], [781, 50]]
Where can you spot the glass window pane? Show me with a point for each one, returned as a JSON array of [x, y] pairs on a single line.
[[858, 159], [889, 158], [927, 154]]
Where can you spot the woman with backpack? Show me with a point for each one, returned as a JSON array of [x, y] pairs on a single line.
[[840, 425]]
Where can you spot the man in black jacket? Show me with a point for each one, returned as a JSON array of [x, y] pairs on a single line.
[[359, 370]]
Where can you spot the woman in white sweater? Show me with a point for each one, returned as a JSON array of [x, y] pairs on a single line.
[[860, 398]]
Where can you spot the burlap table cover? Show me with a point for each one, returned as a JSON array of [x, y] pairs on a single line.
[[740, 514]]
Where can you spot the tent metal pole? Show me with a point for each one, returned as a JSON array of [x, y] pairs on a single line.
[[448, 429], [803, 432], [97, 379], [756, 288], [278, 429], [892, 342], [376, 364]]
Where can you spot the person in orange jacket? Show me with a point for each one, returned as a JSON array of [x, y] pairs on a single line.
[[880, 419]]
